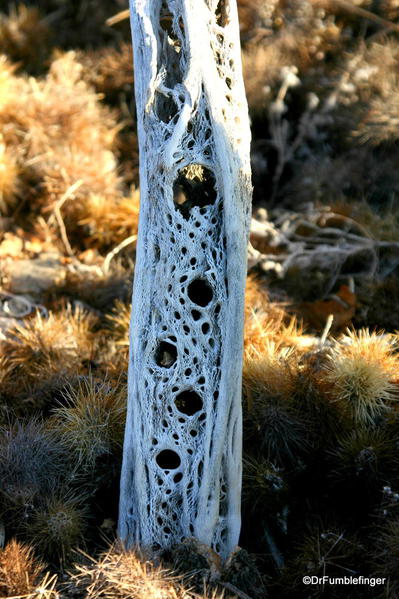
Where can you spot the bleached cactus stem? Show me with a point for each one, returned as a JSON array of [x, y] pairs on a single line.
[[181, 474]]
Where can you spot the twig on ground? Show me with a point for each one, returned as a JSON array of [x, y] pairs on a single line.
[[120, 16], [116, 251], [320, 238], [58, 216], [326, 330]]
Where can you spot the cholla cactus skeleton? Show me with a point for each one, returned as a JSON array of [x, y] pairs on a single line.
[[181, 473]]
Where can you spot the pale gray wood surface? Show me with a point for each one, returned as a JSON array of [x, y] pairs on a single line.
[[181, 474]]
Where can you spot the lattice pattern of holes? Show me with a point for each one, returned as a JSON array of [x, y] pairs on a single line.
[[181, 310], [189, 290]]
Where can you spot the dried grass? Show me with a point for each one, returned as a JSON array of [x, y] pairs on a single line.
[[266, 321], [7, 79], [57, 133], [42, 348], [270, 331], [120, 574], [59, 125], [114, 361], [19, 570], [262, 66], [109, 70], [119, 320], [124, 575], [109, 220]]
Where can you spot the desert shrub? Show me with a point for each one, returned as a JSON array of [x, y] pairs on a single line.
[[91, 419], [48, 348], [33, 466]]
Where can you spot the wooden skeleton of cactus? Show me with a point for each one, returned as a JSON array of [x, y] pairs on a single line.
[[181, 474]]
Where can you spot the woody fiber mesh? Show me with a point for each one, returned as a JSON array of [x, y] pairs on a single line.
[[181, 474]]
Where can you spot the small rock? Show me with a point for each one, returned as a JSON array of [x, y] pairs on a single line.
[[32, 276]]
